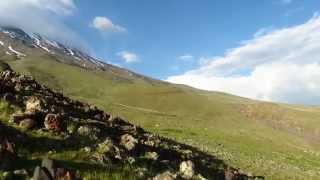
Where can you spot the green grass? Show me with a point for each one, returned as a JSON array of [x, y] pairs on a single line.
[[274, 140]]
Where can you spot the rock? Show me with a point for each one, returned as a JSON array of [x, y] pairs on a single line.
[[63, 174], [152, 140], [34, 104], [91, 132], [27, 123], [9, 97], [7, 154], [87, 149], [49, 165], [17, 117], [41, 174], [165, 176], [128, 141], [20, 172], [52, 122], [151, 155], [187, 169], [141, 172], [107, 147], [131, 160]]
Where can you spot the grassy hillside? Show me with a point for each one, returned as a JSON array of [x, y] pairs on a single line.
[[274, 140]]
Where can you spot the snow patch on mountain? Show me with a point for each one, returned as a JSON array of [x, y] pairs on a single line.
[[70, 52], [19, 54], [1, 43]]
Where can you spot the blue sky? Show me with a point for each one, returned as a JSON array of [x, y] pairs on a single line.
[[161, 31], [266, 49]]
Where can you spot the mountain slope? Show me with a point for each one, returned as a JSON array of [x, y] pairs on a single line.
[[274, 140]]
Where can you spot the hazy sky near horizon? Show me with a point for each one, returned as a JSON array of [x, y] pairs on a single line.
[[266, 49]]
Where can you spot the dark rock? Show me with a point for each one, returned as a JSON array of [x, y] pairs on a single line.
[[27, 123]]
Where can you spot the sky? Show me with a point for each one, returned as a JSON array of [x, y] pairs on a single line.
[[267, 49]]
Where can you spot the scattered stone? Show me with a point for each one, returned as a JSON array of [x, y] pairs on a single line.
[[20, 172], [27, 124], [52, 122], [141, 172], [87, 149], [165, 176], [17, 117], [152, 155], [34, 104], [63, 174], [41, 174], [49, 165], [107, 147], [131, 160], [187, 169], [128, 141]]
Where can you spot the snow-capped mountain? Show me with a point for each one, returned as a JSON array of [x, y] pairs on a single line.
[[49, 46], [20, 44]]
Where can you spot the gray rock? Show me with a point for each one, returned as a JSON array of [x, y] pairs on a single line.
[[151, 155], [20, 172], [187, 169], [27, 123], [34, 104], [41, 174], [128, 141], [49, 165], [165, 176]]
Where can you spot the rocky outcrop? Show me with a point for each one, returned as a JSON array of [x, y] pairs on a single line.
[[111, 141]]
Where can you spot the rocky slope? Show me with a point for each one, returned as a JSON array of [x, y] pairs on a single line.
[[109, 140]]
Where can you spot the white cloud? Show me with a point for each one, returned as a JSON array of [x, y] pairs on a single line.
[[282, 65], [129, 57], [41, 16], [185, 57], [104, 24]]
